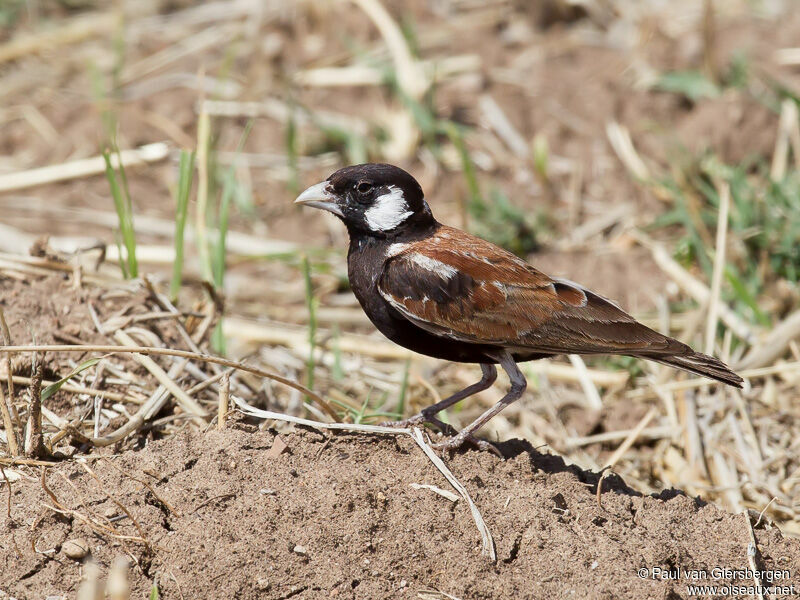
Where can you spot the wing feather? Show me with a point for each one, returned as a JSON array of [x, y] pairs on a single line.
[[465, 288]]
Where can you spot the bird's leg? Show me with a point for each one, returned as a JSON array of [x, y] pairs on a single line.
[[428, 415], [518, 385]]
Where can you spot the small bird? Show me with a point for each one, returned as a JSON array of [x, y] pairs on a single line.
[[445, 293]]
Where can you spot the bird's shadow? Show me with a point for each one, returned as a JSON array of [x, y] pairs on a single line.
[[552, 464]]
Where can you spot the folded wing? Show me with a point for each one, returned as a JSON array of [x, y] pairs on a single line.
[[464, 288]]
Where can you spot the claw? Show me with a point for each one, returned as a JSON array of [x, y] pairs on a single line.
[[421, 419], [454, 443]]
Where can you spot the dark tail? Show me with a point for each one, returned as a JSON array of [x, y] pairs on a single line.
[[701, 364]]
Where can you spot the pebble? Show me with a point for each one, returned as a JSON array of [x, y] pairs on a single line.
[[300, 550], [263, 584], [76, 548]]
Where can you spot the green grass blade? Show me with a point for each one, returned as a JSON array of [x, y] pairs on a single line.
[[124, 209], [457, 139], [185, 171], [54, 387]]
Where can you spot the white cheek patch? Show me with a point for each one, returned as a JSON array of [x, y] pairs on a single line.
[[433, 265], [388, 211]]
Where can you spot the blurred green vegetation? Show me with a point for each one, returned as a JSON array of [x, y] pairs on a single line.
[[764, 226]]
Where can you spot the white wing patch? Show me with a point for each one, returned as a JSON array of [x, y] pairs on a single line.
[[388, 211], [396, 249], [433, 265]]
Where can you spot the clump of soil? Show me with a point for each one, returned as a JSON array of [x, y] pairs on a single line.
[[220, 513]]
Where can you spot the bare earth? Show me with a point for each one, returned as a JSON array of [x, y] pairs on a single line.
[[339, 518]]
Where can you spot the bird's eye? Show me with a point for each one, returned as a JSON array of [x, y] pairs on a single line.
[[364, 187]]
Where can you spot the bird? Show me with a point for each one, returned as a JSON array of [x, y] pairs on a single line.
[[445, 293]]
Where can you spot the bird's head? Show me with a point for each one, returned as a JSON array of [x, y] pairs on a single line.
[[372, 199]]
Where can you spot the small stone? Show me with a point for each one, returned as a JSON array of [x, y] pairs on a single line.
[[76, 548], [267, 492], [300, 550], [403, 583], [263, 584], [110, 512]]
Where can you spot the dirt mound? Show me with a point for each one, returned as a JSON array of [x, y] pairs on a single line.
[[338, 517]]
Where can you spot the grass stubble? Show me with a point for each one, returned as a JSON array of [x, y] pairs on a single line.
[[736, 222]]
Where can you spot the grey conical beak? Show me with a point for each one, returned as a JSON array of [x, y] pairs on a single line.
[[321, 196]]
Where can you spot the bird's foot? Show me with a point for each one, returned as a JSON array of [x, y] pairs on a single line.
[[409, 422], [451, 444], [455, 442], [419, 420]]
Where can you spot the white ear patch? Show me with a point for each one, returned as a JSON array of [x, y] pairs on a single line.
[[389, 210]]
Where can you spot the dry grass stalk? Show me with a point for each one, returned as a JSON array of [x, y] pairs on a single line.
[[96, 524], [725, 478], [649, 433], [360, 75], [80, 389], [436, 490], [620, 139], [119, 504], [27, 462], [201, 209], [589, 389], [694, 287], [774, 345], [75, 30], [416, 435], [224, 393], [237, 242], [693, 439], [410, 76], [752, 554], [6, 334], [91, 587], [185, 46], [787, 132], [184, 400], [82, 168], [11, 436], [280, 111], [719, 267], [34, 441], [147, 350], [631, 439], [487, 546], [117, 586], [787, 56], [498, 121]]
